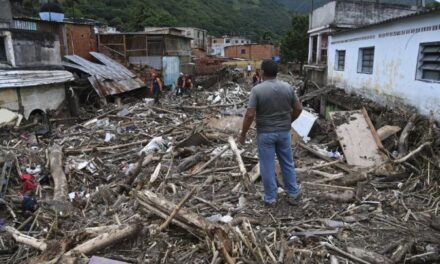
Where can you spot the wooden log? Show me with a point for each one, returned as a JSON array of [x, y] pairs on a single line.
[[204, 166], [189, 162], [105, 240], [178, 207], [25, 239], [343, 253], [255, 174], [387, 131], [319, 155], [399, 254], [369, 256], [234, 148], [344, 197], [412, 153], [403, 140], [57, 172], [102, 149]]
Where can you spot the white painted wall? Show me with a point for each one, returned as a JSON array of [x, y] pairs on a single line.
[[393, 81]]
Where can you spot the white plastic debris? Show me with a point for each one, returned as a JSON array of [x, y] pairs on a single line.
[[304, 124], [157, 143], [241, 202], [109, 137], [217, 99], [123, 112], [34, 171], [149, 101], [219, 218], [103, 122], [331, 154]]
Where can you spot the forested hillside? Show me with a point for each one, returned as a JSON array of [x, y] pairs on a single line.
[[304, 6], [249, 17]]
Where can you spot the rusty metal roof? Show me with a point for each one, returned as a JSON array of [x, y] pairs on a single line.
[[18, 78], [108, 78]]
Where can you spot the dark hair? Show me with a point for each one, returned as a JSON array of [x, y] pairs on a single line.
[[270, 68]]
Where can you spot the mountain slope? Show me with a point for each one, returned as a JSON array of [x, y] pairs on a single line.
[[304, 6], [247, 17]]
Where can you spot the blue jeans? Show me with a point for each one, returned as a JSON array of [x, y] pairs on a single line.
[[279, 143]]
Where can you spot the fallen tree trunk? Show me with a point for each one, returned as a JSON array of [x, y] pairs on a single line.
[[234, 148], [104, 240], [27, 240], [57, 172], [403, 140]]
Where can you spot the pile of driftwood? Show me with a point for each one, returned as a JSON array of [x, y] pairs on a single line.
[[169, 184]]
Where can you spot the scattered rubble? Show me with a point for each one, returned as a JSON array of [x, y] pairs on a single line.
[[168, 184]]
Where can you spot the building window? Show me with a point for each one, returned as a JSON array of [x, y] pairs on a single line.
[[236, 41], [242, 41], [366, 60], [227, 41], [428, 66], [214, 41], [3, 57], [340, 60], [243, 51]]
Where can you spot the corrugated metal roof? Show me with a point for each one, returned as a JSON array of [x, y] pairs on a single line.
[[108, 78], [394, 19], [15, 78]]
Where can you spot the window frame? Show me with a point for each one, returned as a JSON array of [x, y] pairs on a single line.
[[3, 41], [420, 72], [243, 52], [361, 65], [338, 62]]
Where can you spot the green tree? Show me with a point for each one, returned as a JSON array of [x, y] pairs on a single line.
[[432, 5], [294, 46]]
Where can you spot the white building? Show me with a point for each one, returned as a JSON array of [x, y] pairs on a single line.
[[342, 15], [218, 44], [199, 36], [393, 62]]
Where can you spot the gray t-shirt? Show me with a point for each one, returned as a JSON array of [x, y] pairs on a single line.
[[273, 100]]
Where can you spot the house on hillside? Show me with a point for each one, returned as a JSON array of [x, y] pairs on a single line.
[[393, 62], [32, 78], [218, 44], [168, 52], [341, 15], [252, 51], [199, 37]]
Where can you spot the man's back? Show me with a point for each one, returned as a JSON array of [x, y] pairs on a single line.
[[273, 100]]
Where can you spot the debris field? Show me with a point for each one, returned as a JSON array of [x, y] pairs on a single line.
[[168, 183]]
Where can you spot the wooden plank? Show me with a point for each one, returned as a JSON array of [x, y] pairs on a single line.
[[356, 138]]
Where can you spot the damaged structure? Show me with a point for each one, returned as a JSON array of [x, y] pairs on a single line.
[[341, 15], [252, 51], [168, 52], [393, 62]]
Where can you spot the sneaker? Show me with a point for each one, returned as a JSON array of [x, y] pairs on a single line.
[[294, 200]]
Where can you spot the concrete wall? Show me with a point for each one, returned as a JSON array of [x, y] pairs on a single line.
[[47, 97], [355, 13], [218, 48], [365, 13], [5, 10], [252, 52], [323, 15], [35, 48], [393, 80]]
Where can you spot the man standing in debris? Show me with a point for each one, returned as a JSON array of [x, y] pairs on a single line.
[[156, 87], [249, 70], [275, 106]]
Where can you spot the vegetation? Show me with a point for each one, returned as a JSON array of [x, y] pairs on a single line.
[[305, 6], [294, 46], [254, 18]]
